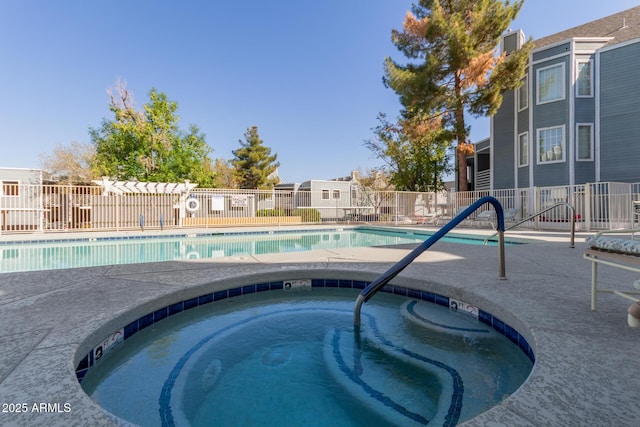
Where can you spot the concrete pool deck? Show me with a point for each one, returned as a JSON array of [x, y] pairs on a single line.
[[586, 362]]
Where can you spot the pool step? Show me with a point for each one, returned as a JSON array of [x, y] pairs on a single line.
[[402, 387], [436, 318]]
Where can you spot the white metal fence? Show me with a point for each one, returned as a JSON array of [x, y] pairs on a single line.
[[48, 208]]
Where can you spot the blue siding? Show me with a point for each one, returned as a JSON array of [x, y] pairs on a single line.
[[585, 110], [553, 51], [549, 115], [523, 126], [585, 172], [620, 114], [483, 145], [503, 140], [523, 121], [523, 177]]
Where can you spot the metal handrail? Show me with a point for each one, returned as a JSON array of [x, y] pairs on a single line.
[[573, 222], [387, 276]]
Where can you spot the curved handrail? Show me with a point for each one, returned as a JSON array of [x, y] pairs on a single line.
[[387, 276], [530, 217]]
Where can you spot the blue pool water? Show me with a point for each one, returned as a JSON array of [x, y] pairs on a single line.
[[51, 255], [292, 357]]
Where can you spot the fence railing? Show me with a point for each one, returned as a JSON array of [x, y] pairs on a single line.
[[50, 208]]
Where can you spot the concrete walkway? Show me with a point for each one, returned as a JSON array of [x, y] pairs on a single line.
[[586, 362]]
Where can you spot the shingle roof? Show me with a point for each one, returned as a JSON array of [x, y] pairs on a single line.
[[622, 26]]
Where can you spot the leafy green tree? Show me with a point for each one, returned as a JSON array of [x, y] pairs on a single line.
[[456, 66], [148, 145], [253, 162], [414, 151]]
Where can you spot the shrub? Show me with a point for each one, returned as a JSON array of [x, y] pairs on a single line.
[[270, 212], [307, 215]]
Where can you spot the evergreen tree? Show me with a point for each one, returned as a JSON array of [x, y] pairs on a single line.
[[253, 162], [457, 68]]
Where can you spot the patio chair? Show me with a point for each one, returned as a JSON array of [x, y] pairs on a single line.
[[510, 214], [431, 218], [485, 217], [459, 211]]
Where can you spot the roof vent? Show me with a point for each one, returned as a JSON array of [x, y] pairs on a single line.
[[624, 24]]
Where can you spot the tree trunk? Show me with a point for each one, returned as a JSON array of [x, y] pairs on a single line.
[[463, 182], [461, 136]]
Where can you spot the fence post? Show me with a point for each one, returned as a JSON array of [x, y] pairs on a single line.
[[396, 213], [587, 207], [117, 212], [536, 206]]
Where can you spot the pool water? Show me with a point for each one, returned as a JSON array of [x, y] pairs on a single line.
[[109, 251], [294, 358]]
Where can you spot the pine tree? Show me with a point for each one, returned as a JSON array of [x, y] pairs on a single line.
[[457, 68], [254, 163]]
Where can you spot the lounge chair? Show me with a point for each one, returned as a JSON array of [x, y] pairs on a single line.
[[458, 211], [511, 214], [615, 252], [430, 218], [487, 216]]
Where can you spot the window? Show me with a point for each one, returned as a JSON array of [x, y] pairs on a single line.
[[336, 194], [583, 84], [551, 144], [523, 94], [550, 84], [584, 142], [325, 194], [523, 149], [10, 188]]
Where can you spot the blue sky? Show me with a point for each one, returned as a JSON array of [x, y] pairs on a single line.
[[308, 74]]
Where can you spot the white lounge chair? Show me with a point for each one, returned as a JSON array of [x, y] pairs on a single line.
[[487, 216], [431, 218], [615, 252], [511, 214]]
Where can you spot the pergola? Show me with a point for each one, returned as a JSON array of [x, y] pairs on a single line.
[[137, 187]]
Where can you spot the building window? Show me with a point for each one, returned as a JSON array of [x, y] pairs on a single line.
[[10, 188], [550, 84], [584, 141], [523, 149], [584, 85], [523, 94], [551, 144], [325, 194], [336, 194]]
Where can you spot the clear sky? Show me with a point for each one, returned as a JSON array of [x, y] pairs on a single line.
[[307, 73]]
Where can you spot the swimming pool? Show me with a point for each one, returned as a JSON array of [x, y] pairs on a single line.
[[292, 357], [91, 252]]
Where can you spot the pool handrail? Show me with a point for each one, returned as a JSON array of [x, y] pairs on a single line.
[[387, 276], [530, 217]]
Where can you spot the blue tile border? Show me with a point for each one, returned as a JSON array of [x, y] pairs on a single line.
[[178, 307], [410, 233], [166, 236]]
